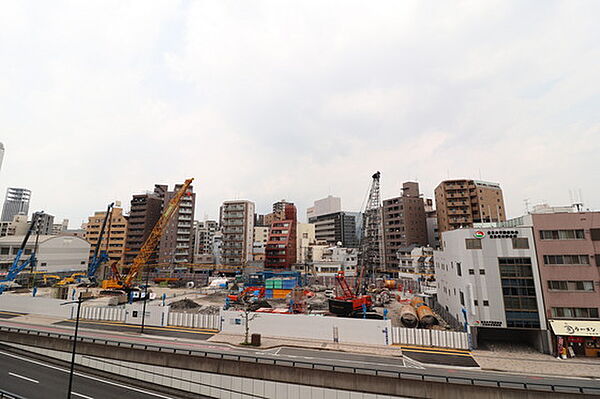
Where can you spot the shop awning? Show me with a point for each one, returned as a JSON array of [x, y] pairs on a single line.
[[577, 328]]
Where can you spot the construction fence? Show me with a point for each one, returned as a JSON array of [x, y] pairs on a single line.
[[194, 320], [434, 338], [107, 313]]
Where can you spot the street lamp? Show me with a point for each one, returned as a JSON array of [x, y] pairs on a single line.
[[78, 302], [145, 300]]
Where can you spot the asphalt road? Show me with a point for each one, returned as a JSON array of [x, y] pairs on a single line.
[[35, 379], [176, 332], [439, 356]]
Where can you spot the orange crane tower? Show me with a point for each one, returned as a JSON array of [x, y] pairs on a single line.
[[116, 282]]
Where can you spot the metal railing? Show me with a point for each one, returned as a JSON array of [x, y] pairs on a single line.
[[316, 365], [8, 395]]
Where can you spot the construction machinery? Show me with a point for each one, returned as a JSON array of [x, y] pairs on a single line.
[[349, 303], [100, 256], [120, 282], [18, 266], [73, 278], [370, 257], [248, 295], [50, 279]]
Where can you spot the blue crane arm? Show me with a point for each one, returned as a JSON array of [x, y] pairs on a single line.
[[99, 256], [95, 264]]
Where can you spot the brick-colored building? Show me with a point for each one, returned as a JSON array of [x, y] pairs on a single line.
[[281, 246], [460, 203], [568, 251], [404, 223], [114, 239]]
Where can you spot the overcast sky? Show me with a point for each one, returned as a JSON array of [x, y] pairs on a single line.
[[265, 100]]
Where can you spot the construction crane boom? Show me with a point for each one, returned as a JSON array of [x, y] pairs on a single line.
[[16, 266], [153, 239], [99, 256]]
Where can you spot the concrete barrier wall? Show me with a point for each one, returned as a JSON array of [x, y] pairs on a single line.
[[422, 337], [109, 313], [38, 305], [131, 314], [180, 319], [345, 330]]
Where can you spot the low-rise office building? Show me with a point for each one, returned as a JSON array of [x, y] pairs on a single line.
[[489, 278], [55, 254]]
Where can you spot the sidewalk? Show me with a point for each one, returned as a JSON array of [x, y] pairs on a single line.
[[273, 342], [536, 363]]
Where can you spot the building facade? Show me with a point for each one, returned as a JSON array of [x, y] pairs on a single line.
[[55, 254], [489, 277], [460, 203], [324, 206], [15, 202], [404, 223], [176, 242], [45, 224], [336, 227], [305, 237], [280, 252], [145, 212], [237, 225], [114, 239], [204, 237]]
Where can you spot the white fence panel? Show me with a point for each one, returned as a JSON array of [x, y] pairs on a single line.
[[180, 319], [102, 313], [434, 338]]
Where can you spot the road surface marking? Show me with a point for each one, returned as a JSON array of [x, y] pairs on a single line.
[[87, 376], [81, 395], [23, 377]]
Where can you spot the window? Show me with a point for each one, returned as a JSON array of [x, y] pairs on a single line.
[[458, 269], [462, 298], [566, 259], [44, 264], [473, 243], [598, 260], [595, 233], [562, 235], [486, 303], [585, 313], [471, 271], [4, 251], [475, 302], [571, 285], [481, 271], [520, 243]]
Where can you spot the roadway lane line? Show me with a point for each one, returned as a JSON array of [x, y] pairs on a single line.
[[24, 378], [202, 331], [87, 376], [81, 395]]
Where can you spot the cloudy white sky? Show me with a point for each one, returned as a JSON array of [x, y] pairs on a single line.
[[265, 100]]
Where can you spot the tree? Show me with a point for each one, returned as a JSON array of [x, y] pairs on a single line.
[[248, 317]]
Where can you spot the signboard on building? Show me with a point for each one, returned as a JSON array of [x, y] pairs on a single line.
[[577, 328]]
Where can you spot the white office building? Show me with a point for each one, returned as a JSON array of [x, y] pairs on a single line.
[[490, 276], [55, 254]]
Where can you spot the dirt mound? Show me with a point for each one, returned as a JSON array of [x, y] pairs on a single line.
[[184, 304]]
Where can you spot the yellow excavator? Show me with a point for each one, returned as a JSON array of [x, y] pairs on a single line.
[[75, 277], [120, 282]]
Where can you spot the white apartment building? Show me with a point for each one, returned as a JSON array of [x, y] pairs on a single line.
[[237, 226], [55, 254], [330, 260], [204, 237], [491, 277]]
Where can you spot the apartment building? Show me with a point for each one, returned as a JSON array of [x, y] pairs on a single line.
[[490, 278], [204, 237], [337, 227], [45, 224], [15, 202], [280, 252], [17, 226], [114, 239], [460, 203], [176, 242], [404, 223], [237, 225], [305, 237], [145, 211]]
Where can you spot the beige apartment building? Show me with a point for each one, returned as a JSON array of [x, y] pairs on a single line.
[[460, 203], [115, 235]]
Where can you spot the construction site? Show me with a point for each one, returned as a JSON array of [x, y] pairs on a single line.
[[363, 295]]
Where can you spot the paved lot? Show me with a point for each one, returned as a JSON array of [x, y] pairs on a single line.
[[9, 315]]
